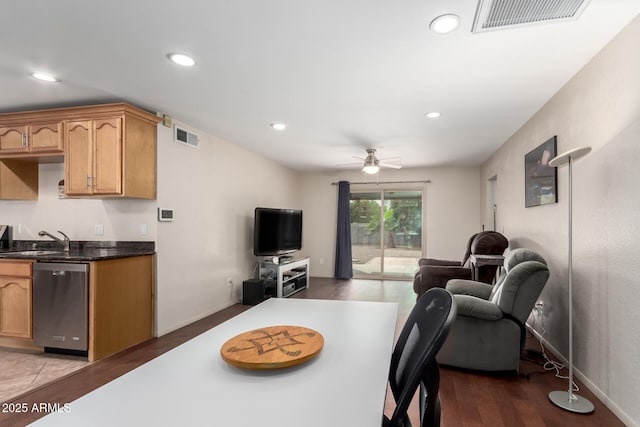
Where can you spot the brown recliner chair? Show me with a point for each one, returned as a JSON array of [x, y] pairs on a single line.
[[436, 272]]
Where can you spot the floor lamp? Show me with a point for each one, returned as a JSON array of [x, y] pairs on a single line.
[[568, 399]]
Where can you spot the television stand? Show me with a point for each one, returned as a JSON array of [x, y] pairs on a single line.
[[290, 275]]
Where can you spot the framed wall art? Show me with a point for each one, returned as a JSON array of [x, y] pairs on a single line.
[[540, 179]]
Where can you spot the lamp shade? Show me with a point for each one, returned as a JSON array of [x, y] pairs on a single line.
[[563, 158]]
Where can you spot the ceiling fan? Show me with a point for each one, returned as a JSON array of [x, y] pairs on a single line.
[[372, 164]]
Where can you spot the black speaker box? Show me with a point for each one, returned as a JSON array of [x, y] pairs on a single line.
[[254, 291]]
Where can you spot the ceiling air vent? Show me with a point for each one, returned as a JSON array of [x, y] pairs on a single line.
[[186, 137], [503, 14]]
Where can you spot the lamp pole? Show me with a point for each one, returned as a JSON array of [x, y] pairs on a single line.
[[569, 400]]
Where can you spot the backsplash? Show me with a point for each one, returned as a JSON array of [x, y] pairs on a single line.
[[25, 245], [80, 219]]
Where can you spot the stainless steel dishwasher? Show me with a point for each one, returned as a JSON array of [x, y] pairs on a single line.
[[61, 306]]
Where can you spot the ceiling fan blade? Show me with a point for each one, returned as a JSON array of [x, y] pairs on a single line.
[[390, 159], [350, 164], [359, 158], [390, 165]]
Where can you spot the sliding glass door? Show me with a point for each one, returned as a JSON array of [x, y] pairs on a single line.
[[366, 238], [386, 233]]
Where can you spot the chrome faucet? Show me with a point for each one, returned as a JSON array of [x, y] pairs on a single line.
[[65, 243]]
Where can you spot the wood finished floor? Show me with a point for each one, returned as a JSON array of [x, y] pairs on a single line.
[[469, 399]]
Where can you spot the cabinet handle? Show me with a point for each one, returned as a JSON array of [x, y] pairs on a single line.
[[88, 186], [26, 139], [22, 135]]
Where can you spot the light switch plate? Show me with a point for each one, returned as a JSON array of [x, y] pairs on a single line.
[[99, 228]]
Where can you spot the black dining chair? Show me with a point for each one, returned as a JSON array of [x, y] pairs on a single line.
[[413, 362]]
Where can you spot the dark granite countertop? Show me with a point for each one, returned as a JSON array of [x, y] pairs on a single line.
[[81, 251]]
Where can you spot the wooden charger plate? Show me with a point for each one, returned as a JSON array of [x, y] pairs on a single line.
[[272, 347]]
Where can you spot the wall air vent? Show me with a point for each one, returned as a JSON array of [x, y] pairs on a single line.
[[186, 137], [503, 14]]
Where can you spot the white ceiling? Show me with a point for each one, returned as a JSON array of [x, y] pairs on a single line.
[[343, 74]]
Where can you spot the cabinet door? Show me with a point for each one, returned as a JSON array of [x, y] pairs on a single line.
[[108, 156], [15, 307], [13, 139], [46, 137], [78, 165]]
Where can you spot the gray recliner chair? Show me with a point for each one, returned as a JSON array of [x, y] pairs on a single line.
[[489, 331]]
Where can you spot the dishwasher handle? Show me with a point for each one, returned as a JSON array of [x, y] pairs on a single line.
[[60, 268]]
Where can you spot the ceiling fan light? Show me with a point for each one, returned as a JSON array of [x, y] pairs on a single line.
[[371, 169]]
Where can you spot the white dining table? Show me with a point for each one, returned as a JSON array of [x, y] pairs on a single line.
[[191, 385]]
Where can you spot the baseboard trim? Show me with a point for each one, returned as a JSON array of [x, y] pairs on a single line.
[[613, 407], [21, 343], [195, 318]]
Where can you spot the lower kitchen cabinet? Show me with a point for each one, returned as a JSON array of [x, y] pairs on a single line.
[[121, 303], [121, 298], [15, 299]]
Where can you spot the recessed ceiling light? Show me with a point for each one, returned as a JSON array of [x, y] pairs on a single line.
[[182, 59], [432, 115], [44, 77], [444, 24], [278, 126]]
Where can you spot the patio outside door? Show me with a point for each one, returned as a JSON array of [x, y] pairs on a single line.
[[386, 233]]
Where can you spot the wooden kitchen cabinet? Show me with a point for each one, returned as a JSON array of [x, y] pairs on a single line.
[[12, 139], [18, 180], [111, 156], [78, 146], [121, 301], [21, 148], [94, 157], [121, 304], [108, 150], [16, 286], [34, 138]]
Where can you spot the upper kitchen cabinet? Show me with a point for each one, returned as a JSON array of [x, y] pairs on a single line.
[[33, 139], [111, 156], [109, 150], [18, 180], [94, 159]]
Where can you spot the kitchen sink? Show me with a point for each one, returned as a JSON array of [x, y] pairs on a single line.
[[34, 253]]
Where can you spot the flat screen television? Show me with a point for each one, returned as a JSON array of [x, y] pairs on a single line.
[[276, 231]]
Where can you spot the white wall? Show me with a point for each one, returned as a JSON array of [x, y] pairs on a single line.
[[599, 107], [76, 217], [452, 211], [213, 190]]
